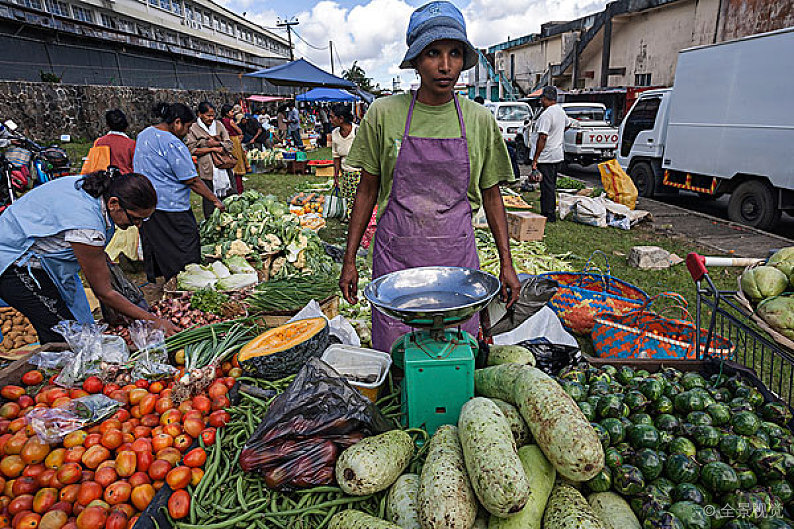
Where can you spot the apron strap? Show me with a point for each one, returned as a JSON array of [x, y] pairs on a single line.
[[411, 114]]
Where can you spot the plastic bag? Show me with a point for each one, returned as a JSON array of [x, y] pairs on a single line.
[[535, 293], [338, 327], [334, 205], [617, 184], [92, 349], [51, 360], [544, 335], [151, 359], [307, 426], [126, 288], [53, 424]]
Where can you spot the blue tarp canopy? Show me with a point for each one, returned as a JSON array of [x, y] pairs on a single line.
[[301, 73], [327, 94]]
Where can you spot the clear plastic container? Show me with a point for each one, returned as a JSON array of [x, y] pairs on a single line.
[[356, 363]]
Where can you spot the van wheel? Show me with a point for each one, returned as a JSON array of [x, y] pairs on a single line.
[[644, 179], [753, 203]]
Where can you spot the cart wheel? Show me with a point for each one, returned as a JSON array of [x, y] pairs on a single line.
[[753, 203]]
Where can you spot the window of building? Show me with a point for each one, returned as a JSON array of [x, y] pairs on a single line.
[[165, 4], [33, 4], [82, 14], [176, 7], [155, 3], [56, 7], [107, 21], [207, 19], [642, 79]]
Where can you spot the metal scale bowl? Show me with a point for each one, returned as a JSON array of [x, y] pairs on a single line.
[[438, 362]]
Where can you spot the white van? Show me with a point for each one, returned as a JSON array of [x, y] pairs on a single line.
[[510, 115]]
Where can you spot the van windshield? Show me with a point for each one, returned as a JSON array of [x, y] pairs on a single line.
[[586, 113], [512, 113]]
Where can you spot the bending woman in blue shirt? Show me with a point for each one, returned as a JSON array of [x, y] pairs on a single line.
[[61, 228], [170, 238]]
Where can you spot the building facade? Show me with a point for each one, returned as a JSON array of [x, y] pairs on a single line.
[[186, 44], [632, 43]]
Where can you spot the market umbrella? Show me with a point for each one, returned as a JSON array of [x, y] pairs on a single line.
[[327, 95], [301, 73]]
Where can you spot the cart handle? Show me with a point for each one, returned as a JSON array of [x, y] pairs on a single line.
[[696, 264]]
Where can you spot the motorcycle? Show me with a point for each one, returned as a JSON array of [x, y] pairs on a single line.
[[27, 164]]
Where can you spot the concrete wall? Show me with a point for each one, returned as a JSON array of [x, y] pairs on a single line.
[[740, 18], [534, 58], [44, 111], [649, 42]]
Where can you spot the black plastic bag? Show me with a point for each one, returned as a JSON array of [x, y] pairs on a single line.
[[307, 426], [550, 357], [126, 288], [536, 291]]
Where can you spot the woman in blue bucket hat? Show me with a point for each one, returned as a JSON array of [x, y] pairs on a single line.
[[428, 159]]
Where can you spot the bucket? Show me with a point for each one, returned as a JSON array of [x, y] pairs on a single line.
[[349, 361]]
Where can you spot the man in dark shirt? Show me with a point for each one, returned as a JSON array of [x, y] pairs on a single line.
[[253, 134]]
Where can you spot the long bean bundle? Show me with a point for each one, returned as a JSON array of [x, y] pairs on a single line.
[[227, 497], [529, 257], [291, 294]]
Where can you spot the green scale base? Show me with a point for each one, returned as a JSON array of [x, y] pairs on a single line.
[[439, 376]]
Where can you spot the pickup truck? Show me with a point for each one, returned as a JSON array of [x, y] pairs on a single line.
[[510, 116], [588, 138]]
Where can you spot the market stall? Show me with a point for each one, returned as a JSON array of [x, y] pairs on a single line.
[[269, 410]]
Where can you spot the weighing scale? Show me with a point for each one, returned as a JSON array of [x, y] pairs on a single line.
[[438, 357]]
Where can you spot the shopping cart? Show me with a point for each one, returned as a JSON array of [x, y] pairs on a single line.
[[718, 313]]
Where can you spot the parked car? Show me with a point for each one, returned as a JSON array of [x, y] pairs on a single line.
[[588, 139], [510, 115], [719, 130]]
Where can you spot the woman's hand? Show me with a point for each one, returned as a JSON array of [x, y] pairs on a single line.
[[348, 282], [212, 142], [218, 149], [169, 328], [511, 286]]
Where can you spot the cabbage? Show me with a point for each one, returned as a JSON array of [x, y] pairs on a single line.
[[194, 278], [219, 269], [238, 265], [763, 282], [237, 281], [783, 260], [778, 312]]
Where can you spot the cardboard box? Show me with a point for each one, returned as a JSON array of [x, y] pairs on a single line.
[[525, 225]]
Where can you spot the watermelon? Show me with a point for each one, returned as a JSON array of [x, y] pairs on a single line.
[[625, 374], [747, 479], [602, 481], [575, 390], [692, 515], [772, 430], [720, 413], [682, 445], [692, 380], [719, 477], [649, 462], [767, 464], [636, 401], [588, 410], [707, 455], [662, 520], [782, 489], [688, 492], [641, 418], [603, 434], [699, 418], [745, 423], [661, 405], [661, 486], [666, 422], [628, 480], [643, 436], [705, 436], [651, 388], [615, 429], [681, 469], [776, 412], [610, 406], [612, 457]]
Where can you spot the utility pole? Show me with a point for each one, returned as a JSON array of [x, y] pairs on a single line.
[[288, 23], [331, 47]]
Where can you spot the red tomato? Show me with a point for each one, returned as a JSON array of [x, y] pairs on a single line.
[[202, 404], [144, 460], [142, 383], [195, 458], [219, 418], [32, 378], [179, 504], [12, 392], [208, 436], [178, 478], [93, 385]]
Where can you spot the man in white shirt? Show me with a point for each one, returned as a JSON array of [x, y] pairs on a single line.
[[548, 154]]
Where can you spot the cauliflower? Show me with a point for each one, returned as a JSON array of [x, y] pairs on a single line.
[[278, 264], [300, 262], [238, 247]]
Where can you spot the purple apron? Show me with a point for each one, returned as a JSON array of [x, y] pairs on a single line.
[[427, 220]]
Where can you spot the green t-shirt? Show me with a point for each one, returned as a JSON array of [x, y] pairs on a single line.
[[380, 134]]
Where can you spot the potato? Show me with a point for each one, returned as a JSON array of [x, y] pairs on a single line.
[[29, 339], [18, 319]]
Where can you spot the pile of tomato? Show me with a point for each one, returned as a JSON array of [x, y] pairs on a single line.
[[107, 474]]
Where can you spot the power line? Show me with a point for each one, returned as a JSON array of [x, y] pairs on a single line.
[[308, 43]]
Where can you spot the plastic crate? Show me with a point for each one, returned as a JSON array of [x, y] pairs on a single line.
[[349, 359]]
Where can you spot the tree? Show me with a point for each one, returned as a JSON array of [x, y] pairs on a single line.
[[356, 74]]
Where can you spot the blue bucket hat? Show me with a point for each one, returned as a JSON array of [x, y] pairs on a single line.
[[437, 21]]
